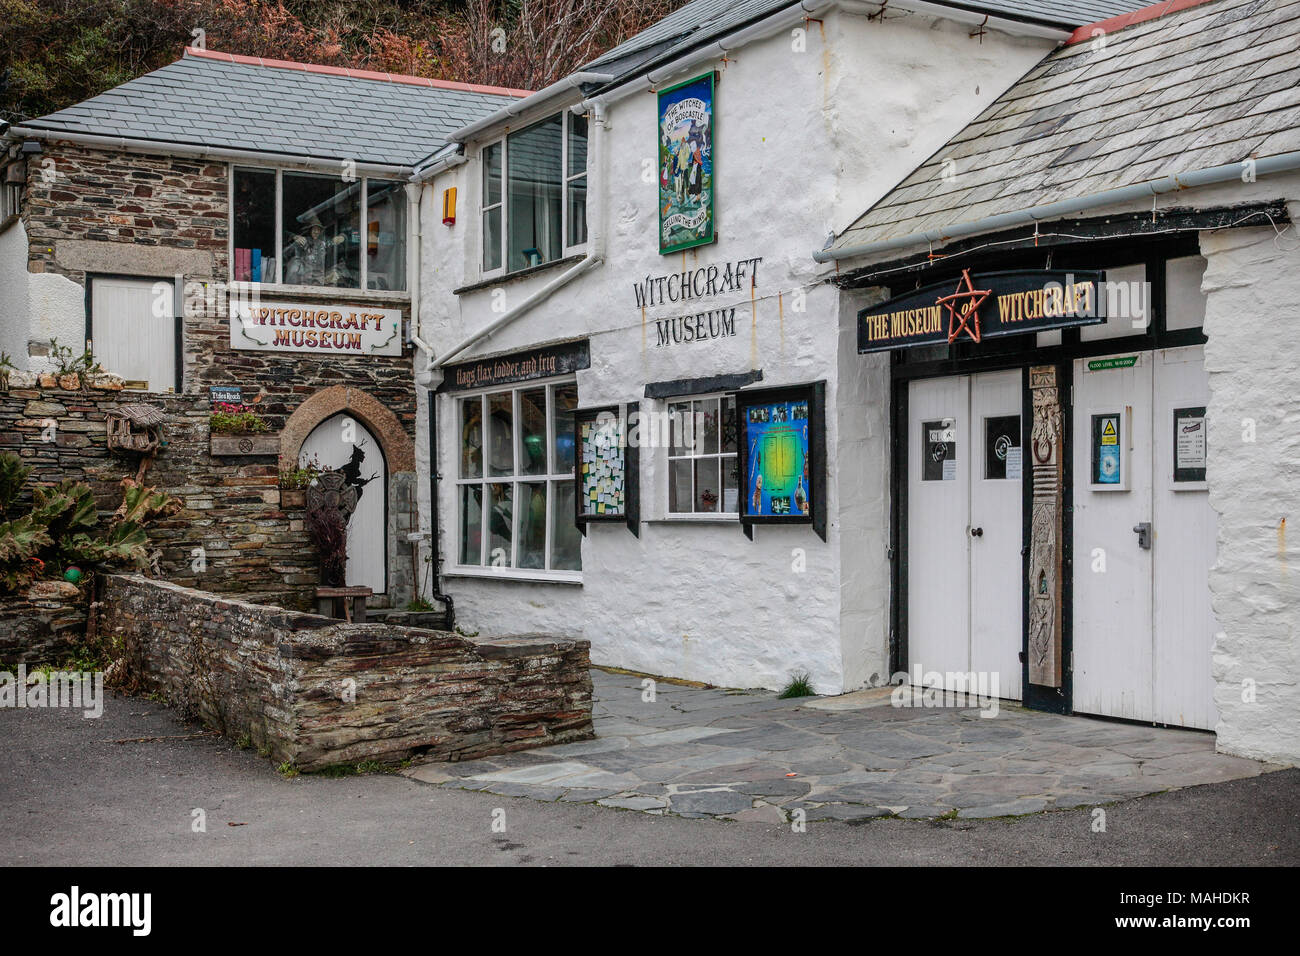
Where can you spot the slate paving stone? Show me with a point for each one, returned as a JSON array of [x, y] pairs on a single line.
[[843, 812], [633, 803], [923, 813], [678, 753], [586, 796], [887, 794], [712, 802], [1012, 809], [775, 788], [548, 794]]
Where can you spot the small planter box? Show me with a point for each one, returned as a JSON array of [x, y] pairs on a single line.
[[245, 444], [293, 498]]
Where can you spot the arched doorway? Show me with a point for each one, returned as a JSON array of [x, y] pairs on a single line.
[[342, 443]]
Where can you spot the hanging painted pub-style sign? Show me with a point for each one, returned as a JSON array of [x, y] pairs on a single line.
[[983, 306], [686, 137]]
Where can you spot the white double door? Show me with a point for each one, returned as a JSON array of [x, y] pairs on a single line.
[[965, 527], [1144, 539]]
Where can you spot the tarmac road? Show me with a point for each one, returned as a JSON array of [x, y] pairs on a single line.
[[71, 795]]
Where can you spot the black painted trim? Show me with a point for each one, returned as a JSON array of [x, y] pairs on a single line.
[[701, 386]]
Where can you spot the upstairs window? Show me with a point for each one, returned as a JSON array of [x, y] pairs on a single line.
[[534, 198], [307, 229]]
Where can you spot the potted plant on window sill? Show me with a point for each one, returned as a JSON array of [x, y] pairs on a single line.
[[238, 430]]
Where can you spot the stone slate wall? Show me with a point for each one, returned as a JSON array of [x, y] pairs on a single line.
[[103, 211], [79, 199], [231, 507], [35, 630], [280, 677]]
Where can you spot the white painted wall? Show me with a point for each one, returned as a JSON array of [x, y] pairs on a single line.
[[805, 142], [13, 294], [1252, 358]]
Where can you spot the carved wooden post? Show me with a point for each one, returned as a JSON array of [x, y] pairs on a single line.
[[1045, 543]]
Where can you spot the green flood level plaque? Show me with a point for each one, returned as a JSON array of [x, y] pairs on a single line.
[[1123, 361]]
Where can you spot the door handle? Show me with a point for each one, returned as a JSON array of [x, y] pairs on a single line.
[[977, 532], [1143, 531]]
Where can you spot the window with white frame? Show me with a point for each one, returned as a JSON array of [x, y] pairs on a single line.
[[534, 199], [515, 488], [703, 475], [309, 229]]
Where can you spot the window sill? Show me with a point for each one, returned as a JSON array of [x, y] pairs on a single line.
[[514, 574], [728, 519], [331, 292], [521, 274]]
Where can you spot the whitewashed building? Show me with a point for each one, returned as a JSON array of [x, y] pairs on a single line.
[[874, 482]]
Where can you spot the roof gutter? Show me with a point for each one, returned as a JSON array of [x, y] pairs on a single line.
[[1232, 172], [159, 147], [788, 16], [530, 102]]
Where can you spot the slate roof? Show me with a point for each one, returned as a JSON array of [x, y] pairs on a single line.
[[1205, 86], [218, 100], [702, 20]]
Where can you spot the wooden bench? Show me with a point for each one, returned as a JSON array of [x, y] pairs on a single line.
[[333, 602]]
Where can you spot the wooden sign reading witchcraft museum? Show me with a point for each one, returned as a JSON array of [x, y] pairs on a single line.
[[983, 306], [324, 329]]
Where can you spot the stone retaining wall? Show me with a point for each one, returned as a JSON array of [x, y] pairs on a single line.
[[316, 693]]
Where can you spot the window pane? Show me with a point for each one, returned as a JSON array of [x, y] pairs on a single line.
[[385, 235], [681, 425], [566, 400], [532, 409], [492, 174], [577, 145], [500, 526], [577, 211], [471, 524], [729, 424], [492, 239], [253, 225], [708, 491], [679, 486], [322, 232], [471, 438], [730, 485], [501, 434], [533, 194], [566, 543], [532, 525], [706, 419]]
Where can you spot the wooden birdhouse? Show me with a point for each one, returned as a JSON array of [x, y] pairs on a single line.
[[136, 428]]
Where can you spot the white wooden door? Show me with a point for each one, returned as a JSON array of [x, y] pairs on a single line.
[[996, 528], [965, 527], [133, 329], [1143, 625], [1112, 572], [342, 442], [1184, 547], [938, 517]]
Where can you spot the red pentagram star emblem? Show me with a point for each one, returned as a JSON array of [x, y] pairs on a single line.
[[966, 316]]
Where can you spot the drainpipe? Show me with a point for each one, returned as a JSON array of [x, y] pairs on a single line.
[[425, 377], [1232, 172], [595, 244]]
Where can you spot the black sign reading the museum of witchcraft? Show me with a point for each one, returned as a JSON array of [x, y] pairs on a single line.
[[981, 306], [541, 362]]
